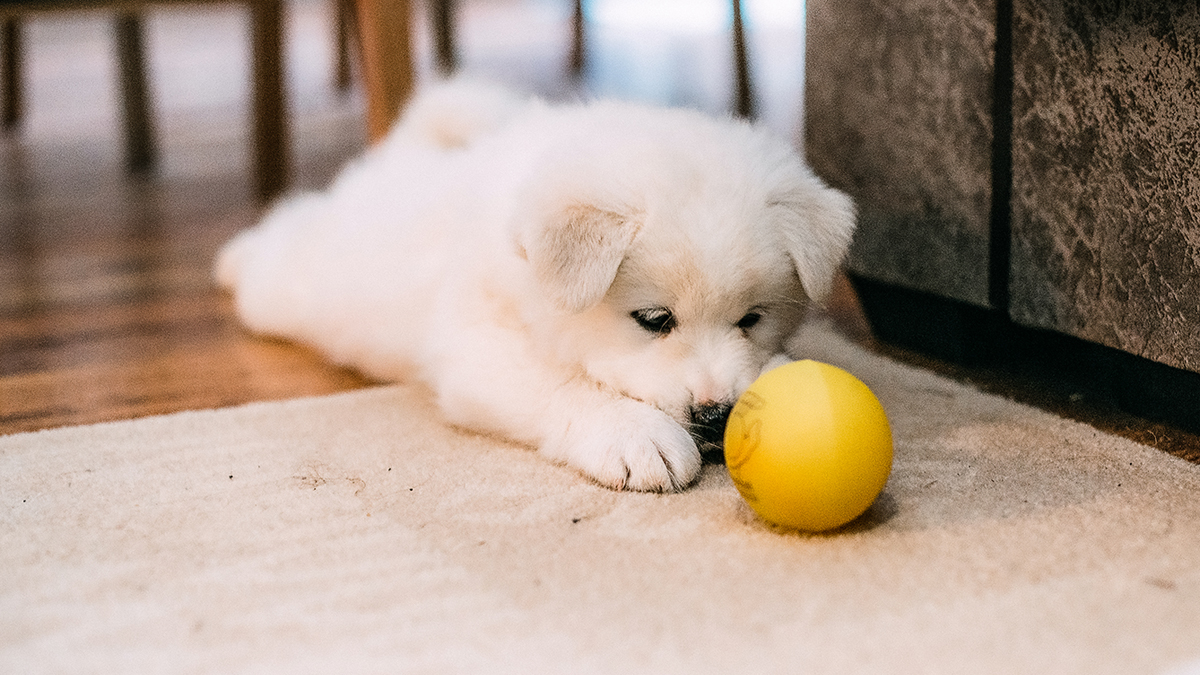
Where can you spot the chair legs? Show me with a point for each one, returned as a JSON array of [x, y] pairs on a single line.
[[141, 152], [271, 152], [578, 56], [441, 15], [10, 74], [445, 39], [743, 103], [387, 61], [345, 32]]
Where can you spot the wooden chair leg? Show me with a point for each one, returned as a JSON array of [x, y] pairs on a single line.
[[744, 92], [10, 74], [578, 57], [271, 152], [441, 14], [387, 61], [344, 35], [141, 153]]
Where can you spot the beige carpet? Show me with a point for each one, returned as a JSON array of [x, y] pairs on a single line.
[[356, 534]]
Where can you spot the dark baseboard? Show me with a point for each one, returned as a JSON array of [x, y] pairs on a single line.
[[975, 337]]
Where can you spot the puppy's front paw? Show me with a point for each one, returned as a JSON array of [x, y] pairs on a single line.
[[627, 445]]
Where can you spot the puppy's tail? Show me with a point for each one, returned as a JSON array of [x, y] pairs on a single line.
[[454, 113]]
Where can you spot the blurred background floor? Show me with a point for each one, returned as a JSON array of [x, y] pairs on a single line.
[[106, 306]]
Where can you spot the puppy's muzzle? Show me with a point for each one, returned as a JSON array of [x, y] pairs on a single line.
[[707, 426]]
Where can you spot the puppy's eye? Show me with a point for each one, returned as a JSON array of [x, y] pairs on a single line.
[[749, 321], [657, 320]]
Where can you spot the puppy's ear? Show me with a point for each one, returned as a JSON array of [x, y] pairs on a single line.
[[575, 253], [817, 225]]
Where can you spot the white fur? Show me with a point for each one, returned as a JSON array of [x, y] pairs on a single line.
[[495, 248]]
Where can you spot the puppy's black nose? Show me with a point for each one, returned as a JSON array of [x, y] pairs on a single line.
[[708, 429]]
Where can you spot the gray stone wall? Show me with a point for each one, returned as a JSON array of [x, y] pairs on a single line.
[[899, 98], [1102, 236], [1106, 174]]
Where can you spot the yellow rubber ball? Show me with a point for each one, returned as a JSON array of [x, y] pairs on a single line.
[[808, 446]]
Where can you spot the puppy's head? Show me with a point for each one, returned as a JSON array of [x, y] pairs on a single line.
[[676, 265]]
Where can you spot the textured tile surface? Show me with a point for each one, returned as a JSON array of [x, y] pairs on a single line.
[[1106, 189], [899, 115]]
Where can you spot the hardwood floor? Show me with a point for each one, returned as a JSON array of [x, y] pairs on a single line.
[[107, 309]]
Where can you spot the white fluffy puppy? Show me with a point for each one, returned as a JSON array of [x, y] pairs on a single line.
[[598, 281]]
